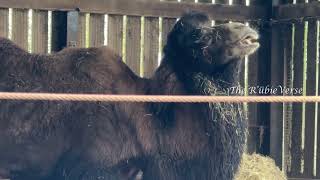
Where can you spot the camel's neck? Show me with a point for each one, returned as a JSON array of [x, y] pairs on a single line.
[[171, 81], [167, 81]]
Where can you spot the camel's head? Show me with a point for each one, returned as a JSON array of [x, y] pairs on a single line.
[[195, 44]]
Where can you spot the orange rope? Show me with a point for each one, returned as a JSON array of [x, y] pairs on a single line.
[[154, 98]]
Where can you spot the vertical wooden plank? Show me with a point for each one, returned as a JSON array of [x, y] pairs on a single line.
[[115, 28], [301, 109], [296, 150], [40, 31], [318, 118], [20, 27], [82, 30], [315, 41], [133, 38], [285, 138], [96, 30], [151, 45], [167, 25], [311, 91], [72, 28], [286, 120], [4, 13], [276, 109], [59, 30]]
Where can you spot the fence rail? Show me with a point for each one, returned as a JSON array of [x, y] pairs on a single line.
[[144, 8], [293, 11], [155, 98]]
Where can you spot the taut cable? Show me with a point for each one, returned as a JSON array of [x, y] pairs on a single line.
[[156, 98]]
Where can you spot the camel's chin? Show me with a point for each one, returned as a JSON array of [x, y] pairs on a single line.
[[255, 48], [251, 48]]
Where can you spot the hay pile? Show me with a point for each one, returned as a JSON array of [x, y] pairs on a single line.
[[257, 167]]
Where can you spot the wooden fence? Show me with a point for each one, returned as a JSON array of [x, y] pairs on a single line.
[[295, 63], [137, 30]]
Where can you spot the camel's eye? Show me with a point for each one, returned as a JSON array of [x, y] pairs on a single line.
[[207, 38]]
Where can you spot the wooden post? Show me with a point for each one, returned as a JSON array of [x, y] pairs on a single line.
[[81, 39], [40, 31], [73, 29], [115, 32], [20, 27], [151, 45], [4, 28], [96, 27], [133, 37]]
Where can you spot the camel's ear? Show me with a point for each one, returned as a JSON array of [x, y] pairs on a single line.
[[192, 20]]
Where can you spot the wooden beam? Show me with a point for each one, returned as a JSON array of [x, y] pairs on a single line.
[[173, 9], [141, 8], [39, 4], [293, 11]]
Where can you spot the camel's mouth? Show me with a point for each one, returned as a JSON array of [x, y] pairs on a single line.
[[249, 43], [250, 39]]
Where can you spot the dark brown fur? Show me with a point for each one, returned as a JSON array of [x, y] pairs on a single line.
[[41, 140]]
